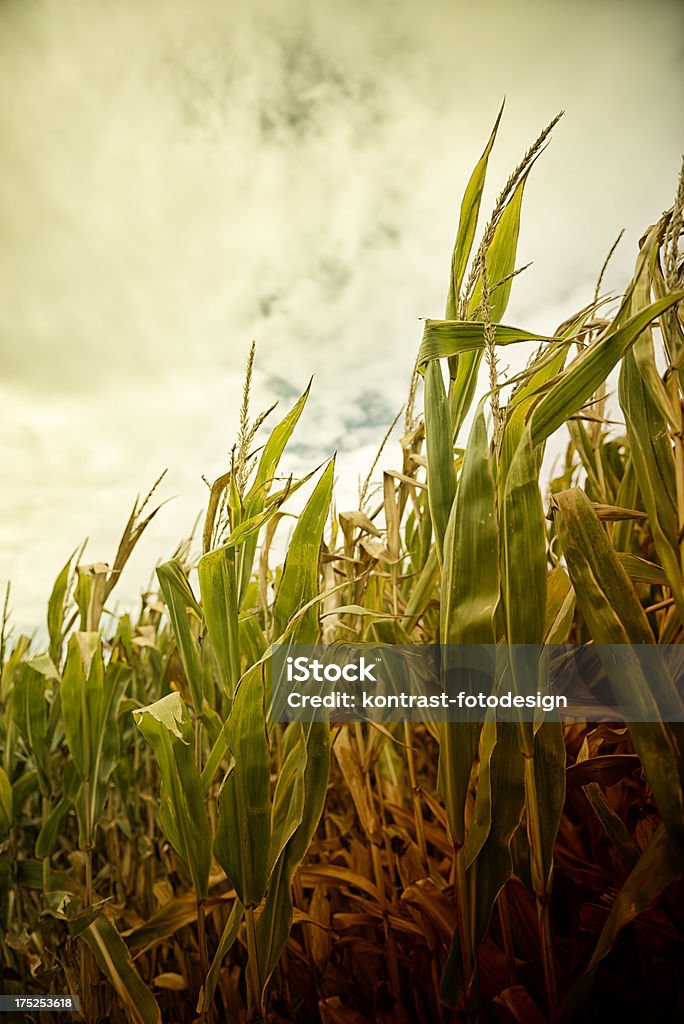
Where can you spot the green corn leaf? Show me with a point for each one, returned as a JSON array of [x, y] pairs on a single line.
[[243, 837], [228, 937], [30, 717], [288, 799], [463, 369], [493, 866], [500, 258], [629, 496], [500, 263], [560, 607], [55, 611], [525, 399], [421, 592], [6, 804], [441, 474], [90, 698], [443, 338], [462, 387], [23, 788], [75, 707], [167, 728], [273, 450], [218, 586], [481, 820], [549, 782], [114, 960], [654, 469], [273, 927], [247, 530], [470, 577], [105, 733], [299, 580], [256, 498], [179, 598], [52, 822], [614, 616], [467, 224], [523, 550], [523, 569], [11, 665], [640, 570], [469, 596], [582, 376]]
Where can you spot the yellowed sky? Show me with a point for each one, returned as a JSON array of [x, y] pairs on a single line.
[[177, 178]]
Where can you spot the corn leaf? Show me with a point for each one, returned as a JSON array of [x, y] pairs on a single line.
[[469, 596], [582, 376], [467, 223], [299, 581], [659, 867], [218, 586], [614, 617], [55, 611], [654, 469], [274, 924], [167, 728], [443, 338], [228, 937], [441, 474], [243, 836], [179, 599], [114, 960]]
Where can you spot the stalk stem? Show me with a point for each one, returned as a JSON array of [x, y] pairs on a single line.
[[253, 956], [462, 916], [678, 438], [415, 794], [202, 940], [541, 887]]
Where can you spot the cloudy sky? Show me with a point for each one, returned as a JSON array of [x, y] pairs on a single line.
[[178, 178]]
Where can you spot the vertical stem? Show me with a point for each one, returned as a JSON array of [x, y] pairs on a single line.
[[541, 886], [389, 937], [202, 939], [198, 743], [87, 828], [434, 972], [253, 957], [86, 963], [149, 814], [377, 868], [678, 438], [45, 810], [462, 917], [415, 793]]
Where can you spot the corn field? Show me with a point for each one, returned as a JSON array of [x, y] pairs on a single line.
[[168, 853]]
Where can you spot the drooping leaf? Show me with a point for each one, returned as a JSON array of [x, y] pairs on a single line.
[[114, 960], [167, 728]]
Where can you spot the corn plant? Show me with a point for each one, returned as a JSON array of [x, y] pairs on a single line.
[[166, 850]]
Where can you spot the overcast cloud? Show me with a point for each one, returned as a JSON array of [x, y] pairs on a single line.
[[179, 178]]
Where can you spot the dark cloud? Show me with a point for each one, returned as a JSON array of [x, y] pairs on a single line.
[[178, 178]]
